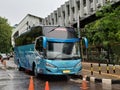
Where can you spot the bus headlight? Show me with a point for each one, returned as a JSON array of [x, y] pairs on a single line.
[[50, 65], [79, 64]]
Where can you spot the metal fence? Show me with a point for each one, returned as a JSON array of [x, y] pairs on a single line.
[[100, 54]]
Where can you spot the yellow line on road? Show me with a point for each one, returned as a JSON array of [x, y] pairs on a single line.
[[118, 76]]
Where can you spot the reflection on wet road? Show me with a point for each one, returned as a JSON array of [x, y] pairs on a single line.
[[12, 79], [16, 80]]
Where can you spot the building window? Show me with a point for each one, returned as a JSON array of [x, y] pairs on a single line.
[[91, 1], [52, 21], [47, 22], [27, 23], [56, 16], [59, 12], [78, 5], [73, 10], [91, 9], [84, 3], [96, 1], [63, 14], [40, 20], [107, 0], [68, 9]]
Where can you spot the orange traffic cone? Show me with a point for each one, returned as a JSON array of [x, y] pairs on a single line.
[[47, 86], [84, 84], [31, 84]]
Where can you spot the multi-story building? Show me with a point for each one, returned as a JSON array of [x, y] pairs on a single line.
[[74, 10], [27, 22], [70, 13]]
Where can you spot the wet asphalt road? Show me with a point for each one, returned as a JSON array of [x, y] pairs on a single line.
[[12, 79]]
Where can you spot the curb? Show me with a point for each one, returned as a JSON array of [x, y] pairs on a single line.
[[100, 80], [104, 81]]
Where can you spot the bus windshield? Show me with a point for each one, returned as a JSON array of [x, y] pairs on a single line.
[[63, 51]]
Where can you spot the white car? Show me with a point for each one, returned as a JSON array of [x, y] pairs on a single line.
[[4, 56]]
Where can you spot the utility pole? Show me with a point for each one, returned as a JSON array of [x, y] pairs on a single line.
[[78, 29], [78, 25]]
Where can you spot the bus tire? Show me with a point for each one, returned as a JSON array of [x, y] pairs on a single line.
[[19, 67]]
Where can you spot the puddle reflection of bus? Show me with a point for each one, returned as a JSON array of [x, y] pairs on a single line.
[[51, 50]]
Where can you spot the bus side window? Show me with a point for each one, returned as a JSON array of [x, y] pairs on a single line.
[[39, 46]]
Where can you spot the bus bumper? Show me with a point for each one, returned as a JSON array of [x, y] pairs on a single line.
[[60, 71]]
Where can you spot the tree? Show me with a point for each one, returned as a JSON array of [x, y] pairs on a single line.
[[105, 31], [5, 35]]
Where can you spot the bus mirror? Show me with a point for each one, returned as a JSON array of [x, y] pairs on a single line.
[[86, 41]]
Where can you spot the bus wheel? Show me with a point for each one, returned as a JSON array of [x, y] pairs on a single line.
[[19, 67]]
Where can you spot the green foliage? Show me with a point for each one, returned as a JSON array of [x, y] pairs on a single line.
[[107, 29], [105, 10], [5, 35], [105, 32]]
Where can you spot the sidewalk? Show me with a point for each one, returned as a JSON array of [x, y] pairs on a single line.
[[114, 77], [9, 64]]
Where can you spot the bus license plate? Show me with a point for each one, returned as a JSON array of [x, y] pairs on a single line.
[[66, 71]]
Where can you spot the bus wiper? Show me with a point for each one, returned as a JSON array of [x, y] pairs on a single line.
[[54, 29]]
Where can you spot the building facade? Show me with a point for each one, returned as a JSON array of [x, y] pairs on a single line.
[[73, 11], [27, 22]]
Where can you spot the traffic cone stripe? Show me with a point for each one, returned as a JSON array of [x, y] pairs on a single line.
[[84, 83], [47, 86], [31, 84]]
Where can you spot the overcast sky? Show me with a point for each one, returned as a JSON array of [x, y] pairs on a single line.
[[16, 10]]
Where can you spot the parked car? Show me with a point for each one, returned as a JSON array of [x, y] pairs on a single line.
[[10, 54], [3, 56]]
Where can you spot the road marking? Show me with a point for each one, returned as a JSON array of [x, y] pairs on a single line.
[[11, 76], [76, 80], [118, 76]]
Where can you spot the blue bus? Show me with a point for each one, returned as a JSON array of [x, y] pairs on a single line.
[[49, 50]]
